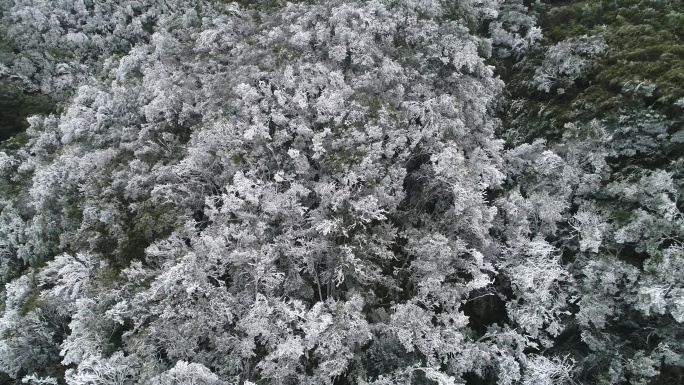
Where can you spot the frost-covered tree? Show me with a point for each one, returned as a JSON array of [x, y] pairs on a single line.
[[311, 179], [322, 192]]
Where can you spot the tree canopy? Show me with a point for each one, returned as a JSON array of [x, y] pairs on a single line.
[[341, 192]]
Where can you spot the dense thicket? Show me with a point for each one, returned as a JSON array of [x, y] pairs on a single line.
[[342, 192], [605, 84]]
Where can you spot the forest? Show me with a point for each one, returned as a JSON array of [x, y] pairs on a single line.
[[333, 192]]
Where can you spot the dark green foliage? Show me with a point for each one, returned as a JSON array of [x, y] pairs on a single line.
[[644, 46], [16, 105]]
